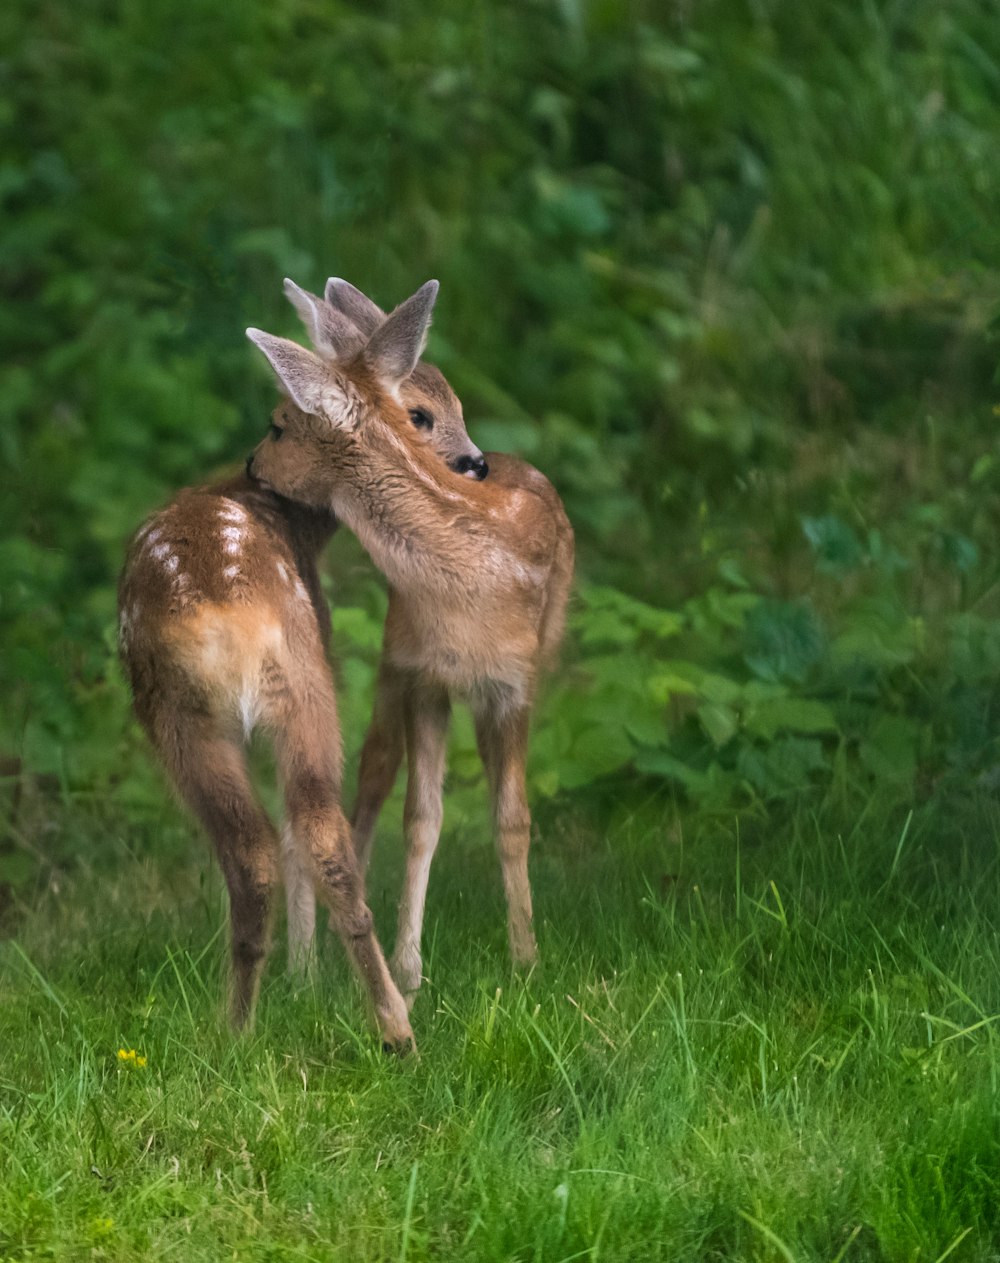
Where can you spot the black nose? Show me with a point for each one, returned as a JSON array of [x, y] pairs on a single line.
[[249, 463], [475, 465]]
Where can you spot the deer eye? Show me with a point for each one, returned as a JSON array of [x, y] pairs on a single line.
[[275, 431], [422, 419]]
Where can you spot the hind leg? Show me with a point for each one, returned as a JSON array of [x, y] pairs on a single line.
[[502, 735], [307, 743], [210, 771], [300, 901], [381, 756]]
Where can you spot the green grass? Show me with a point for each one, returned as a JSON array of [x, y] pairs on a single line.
[[780, 1047]]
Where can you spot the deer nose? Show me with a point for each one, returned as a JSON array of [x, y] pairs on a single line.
[[474, 465], [249, 463]]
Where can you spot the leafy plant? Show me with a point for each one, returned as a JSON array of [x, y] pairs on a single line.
[[740, 325]]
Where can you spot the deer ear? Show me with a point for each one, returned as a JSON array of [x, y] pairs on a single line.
[[393, 350], [305, 304], [329, 330], [304, 375], [357, 307]]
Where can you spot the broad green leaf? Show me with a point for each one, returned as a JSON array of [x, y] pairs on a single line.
[[720, 689], [878, 633], [607, 612], [647, 729], [601, 749], [889, 751], [959, 551], [783, 766], [661, 763], [720, 722], [835, 544], [714, 788], [669, 684], [546, 783], [606, 626], [796, 714], [783, 640]]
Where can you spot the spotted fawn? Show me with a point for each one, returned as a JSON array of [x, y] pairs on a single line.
[[224, 630]]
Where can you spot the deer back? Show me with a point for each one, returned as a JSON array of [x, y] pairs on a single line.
[[219, 588]]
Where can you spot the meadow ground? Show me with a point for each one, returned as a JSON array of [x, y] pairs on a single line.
[[779, 1045]]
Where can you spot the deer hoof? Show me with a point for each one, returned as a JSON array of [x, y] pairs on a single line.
[[400, 1048]]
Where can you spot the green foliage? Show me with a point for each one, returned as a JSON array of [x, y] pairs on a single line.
[[756, 699], [722, 271]]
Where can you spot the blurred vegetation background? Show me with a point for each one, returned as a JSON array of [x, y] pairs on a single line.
[[725, 271]]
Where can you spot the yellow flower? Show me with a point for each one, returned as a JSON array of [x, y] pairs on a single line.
[[130, 1057]]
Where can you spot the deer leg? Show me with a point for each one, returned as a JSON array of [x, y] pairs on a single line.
[[502, 736], [300, 901], [211, 774], [307, 744], [381, 756], [427, 711]]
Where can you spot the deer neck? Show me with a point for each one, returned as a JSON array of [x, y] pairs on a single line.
[[309, 530], [408, 511]]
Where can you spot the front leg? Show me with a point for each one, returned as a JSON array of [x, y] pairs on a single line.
[[427, 711]]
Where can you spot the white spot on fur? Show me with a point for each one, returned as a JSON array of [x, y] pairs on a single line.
[[159, 551], [152, 535], [300, 591], [171, 564], [282, 571], [232, 512], [231, 572], [232, 538]]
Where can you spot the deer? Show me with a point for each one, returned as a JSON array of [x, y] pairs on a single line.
[[479, 574], [223, 629]]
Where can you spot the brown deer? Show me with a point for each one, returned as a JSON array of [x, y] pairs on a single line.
[[223, 629], [479, 576]]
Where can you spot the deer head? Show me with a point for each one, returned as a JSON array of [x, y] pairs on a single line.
[[353, 384], [346, 329]]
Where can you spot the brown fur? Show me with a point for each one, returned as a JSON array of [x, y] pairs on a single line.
[[479, 576], [223, 629]]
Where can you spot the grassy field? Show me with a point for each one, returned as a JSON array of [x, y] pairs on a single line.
[[728, 274], [774, 1046]]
